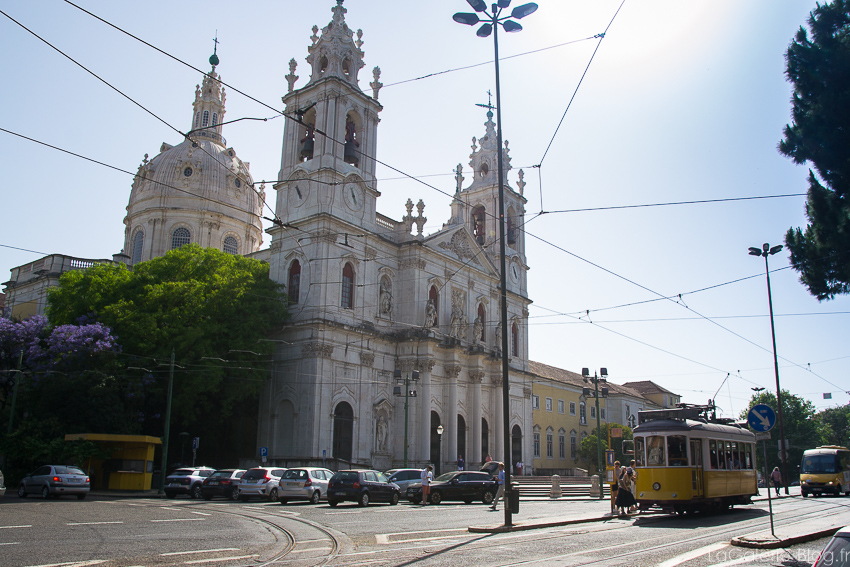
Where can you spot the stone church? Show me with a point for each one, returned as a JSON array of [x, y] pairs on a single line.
[[375, 303]]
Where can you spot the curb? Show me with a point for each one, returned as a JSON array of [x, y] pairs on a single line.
[[526, 527], [742, 541]]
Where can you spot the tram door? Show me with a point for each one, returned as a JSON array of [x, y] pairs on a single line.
[[696, 467]]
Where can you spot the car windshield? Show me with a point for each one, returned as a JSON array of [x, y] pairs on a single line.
[[68, 470], [221, 474], [295, 474], [184, 472], [445, 477], [254, 474], [818, 464]]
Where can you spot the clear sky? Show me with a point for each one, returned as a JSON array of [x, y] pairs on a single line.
[[683, 101]]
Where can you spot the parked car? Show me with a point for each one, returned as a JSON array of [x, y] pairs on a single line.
[[306, 483], [260, 482], [404, 477], [187, 481], [223, 482], [53, 481], [363, 487], [2, 485], [465, 486], [837, 550]]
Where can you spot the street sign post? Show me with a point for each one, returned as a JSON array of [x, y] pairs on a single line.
[[761, 419], [264, 453]]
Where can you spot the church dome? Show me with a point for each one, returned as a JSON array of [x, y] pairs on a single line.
[[198, 191]]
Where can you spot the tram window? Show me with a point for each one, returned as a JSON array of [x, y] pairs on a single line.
[[640, 459], [748, 454], [735, 462], [696, 453], [729, 455], [712, 454], [721, 455], [655, 451], [677, 450]]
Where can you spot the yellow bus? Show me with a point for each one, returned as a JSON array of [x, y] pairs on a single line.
[[825, 470]]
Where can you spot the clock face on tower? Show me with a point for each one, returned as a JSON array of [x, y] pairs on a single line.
[[514, 271], [353, 195], [298, 192]]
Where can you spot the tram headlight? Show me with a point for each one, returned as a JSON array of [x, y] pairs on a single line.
[[675, 495], [656, 486]]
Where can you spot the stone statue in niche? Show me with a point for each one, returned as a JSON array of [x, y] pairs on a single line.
[[430, 314], [386, 300], [499, 336], [477, 329], [381, 431]]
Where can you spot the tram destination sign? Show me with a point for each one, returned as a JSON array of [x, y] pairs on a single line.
[[761, 418]]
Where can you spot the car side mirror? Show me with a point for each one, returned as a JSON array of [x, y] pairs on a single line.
[[454, 480]]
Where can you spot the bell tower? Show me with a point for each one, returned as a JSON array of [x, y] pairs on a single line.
[[477, 206], [209, 105], [327, 160]]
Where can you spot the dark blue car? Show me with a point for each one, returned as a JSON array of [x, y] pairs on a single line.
[[362, 487]]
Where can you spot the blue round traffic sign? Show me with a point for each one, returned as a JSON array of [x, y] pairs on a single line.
[[761, 418]]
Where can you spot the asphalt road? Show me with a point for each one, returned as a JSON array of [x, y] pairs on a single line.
[[116, 532]]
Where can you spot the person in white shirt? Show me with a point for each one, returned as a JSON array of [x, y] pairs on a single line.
[[426, 476]]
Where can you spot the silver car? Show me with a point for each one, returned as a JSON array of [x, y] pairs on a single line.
[[260, 482], [404, 477], [306, 483], [53, 481]]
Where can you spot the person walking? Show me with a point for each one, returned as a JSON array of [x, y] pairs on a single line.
[[519, 468], [776, 478], [426, 477], [501, 482]]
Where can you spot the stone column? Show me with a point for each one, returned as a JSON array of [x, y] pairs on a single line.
[[498, 440], [425, 411], [450, 425], [475, 439]]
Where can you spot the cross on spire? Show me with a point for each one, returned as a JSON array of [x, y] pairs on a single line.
[[489, 106]]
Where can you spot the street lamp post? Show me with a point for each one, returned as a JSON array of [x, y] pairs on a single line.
[[765, 251], [492, 22], [439, 448], [586, 392], [408, 393]]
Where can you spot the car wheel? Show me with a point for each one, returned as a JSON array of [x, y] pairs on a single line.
[[364, 499], [394, 499], [170, 494], [45, 492], [436, 497], [273, 494], [22, 491], [314, 499], [234, 494], [488, 497], [197, 493], [81, 496], [333, 503]]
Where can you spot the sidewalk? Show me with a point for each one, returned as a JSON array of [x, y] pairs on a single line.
[[763, 539]]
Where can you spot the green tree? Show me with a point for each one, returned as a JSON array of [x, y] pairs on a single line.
[[799, 424], [819, 68], [835, 425], [212, 310], [588, 450]]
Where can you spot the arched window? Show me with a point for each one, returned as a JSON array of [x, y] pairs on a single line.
[[206, 121], [485, 438], [138, 244], [197, 119], [461, 437], [436, 441], [231, 246], [477, 221], [516, 444], [180, 237], [562, 444], [343, 431], [509, 226], [434, 296], [482, 315], [294, 281], [550, 443], [215, 119], [514, 340], [347, 287]]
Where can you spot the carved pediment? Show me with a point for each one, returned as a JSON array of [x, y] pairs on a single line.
[[462, 246]]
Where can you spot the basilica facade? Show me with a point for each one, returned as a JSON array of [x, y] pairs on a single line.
[[379, 309]]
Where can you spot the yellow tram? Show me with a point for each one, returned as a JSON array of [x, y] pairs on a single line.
[[688, 460]]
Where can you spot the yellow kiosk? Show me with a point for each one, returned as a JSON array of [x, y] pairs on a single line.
[[129, 464]]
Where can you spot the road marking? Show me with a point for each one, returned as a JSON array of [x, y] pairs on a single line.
[[168, 508], [181, 520], [200, 513], [90, 523], [196, 561], [384, 539], [13, 527], [11, 543], [74, 564], [673, 561], [200, 551]]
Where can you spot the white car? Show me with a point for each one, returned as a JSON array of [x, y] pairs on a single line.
[[305, 483], [53, 481], [260, 482], [837, 551]]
